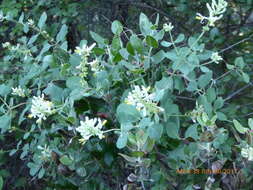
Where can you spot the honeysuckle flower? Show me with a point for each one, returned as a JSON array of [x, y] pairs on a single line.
[[41, 108], [247, 153], [18, 91], [89, 128], [143, 100], [45, 152], [30, 22], [94, 65], [198, 111], [6, 45], [84, 50], [215, 57], [216, 10], [168, 27]]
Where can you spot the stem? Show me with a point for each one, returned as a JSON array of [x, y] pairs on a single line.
[[111, 130], [5, 103], [18, 105], [173, 43], [200, 36]]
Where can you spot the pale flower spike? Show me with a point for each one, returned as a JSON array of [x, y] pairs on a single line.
[[18, 91], [215, 57], [89, 128], [41, 108], [216, 10]]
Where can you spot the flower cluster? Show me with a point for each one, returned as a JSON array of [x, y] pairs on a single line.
[[45, 153], [168, 27], [216, 10], [89, 128], [41, 108], [85, 52], [143, 100], [247, 153], [18, 91], [197, 112], [215, 57]]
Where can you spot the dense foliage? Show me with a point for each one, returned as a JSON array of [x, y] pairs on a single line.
[[126, 94]]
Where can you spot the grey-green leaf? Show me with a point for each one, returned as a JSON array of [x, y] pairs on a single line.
[[116, 27], [42, 20], [61, 35], [239, 127]]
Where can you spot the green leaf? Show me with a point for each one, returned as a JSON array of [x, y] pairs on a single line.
[[250, 123], [180, 38], [204, 79], [164, 83], [211, 95], [192, 132], [34, 168], [21, 18], [81, 171], [166, 44], [155, 131], [145, 25], [55, 92], [130, 48], [221, 116], [100, 40], [74, 83], [245, 77], [116, 27], [5, 123], [158, 57], [4, 90], [136, 43], [239, 62], [42, 20], [127, 113], [192, 86], [172, 128], [65, 160], [239, 127], [151, 42], [122, 140], [41, 173], [218, 103], [61, 35], [32, 39]]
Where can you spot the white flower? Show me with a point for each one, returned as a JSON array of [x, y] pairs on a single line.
[[216, 10], [94, 65], [45, 152], [247, 153], [143, 100], [18, 91], [41, 108], [30, 22], [215, 57], [6, 45], [90, 127], [85, 50], [168, 27]]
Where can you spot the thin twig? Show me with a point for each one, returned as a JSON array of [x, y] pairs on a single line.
[[238, 91], [237, 43]]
